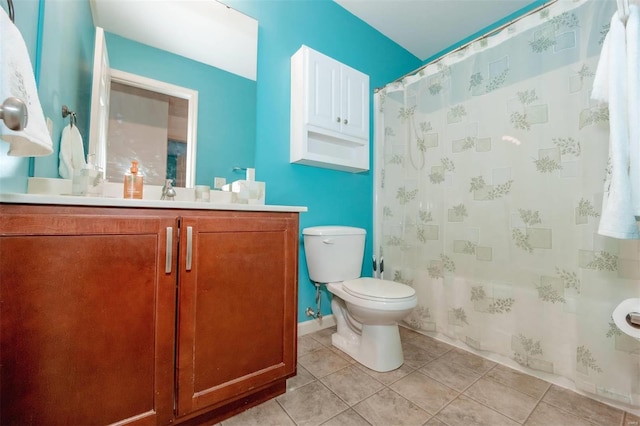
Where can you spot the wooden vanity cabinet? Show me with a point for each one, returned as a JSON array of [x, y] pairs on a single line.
[[109, 315], [87, 321]]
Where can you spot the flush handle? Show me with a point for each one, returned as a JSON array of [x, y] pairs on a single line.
[[169, 256], [328, 241], [189, 247]]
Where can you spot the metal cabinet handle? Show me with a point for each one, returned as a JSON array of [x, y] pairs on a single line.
[[338, 119], [14, 113], [346, 121], [169, 256], [189, 247]]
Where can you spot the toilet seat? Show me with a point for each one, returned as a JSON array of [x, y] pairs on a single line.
[[378, 290]]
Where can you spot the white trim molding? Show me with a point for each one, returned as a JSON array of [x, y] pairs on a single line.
[[311, 326]]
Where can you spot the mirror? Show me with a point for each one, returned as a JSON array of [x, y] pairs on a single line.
[[226, 130], [138, 118]]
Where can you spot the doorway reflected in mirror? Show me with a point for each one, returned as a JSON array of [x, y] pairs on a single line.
[[151, 128]]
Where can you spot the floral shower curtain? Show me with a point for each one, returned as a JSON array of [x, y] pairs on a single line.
[[489, 171]]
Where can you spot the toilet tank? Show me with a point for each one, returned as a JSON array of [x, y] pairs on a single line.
[[333, 253]]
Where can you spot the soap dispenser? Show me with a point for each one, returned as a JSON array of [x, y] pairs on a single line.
[[133, 182]]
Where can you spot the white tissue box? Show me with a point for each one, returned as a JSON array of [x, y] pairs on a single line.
[[246, 191]]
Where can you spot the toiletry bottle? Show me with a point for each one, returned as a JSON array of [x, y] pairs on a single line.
[[133, 182]]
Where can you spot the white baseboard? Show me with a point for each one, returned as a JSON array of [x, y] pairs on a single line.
[[314, 325]]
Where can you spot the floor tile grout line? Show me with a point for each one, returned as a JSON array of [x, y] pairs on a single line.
[[444, 384], [556, 407], [390, 383], [537, 403], [342, 399], [285, 411], [460, 393], [498, 411], [516, 389], [411, 402], [333, 393], [341, 412], [433, 416], [575, 415]]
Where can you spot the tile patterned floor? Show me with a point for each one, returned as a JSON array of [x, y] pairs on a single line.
[[438, 385]]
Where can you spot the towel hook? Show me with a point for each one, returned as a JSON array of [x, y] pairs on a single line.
[[66, 112], [12, 13]]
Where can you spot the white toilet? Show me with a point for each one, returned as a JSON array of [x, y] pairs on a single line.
[[367, 310]]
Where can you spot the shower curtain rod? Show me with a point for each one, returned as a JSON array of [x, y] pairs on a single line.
[[488, 34]]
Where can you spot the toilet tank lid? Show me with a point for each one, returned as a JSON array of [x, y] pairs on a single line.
[[333, 230]]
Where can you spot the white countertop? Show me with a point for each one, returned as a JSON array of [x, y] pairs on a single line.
[[71, 200]]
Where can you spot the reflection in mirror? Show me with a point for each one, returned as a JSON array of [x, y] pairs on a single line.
[[138, 118], [226, 95], [154, 123], [209, 48], [151, 128], [225, 139]]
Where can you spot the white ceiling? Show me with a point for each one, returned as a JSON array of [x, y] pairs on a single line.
[[427, 27], [201, 30]]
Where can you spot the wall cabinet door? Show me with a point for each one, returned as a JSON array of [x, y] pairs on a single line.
[[88, 316], [337, 96], [355, 103], [237, 303], [323, 92]]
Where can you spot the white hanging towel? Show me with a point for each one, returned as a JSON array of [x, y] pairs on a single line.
[[611, 85], [71, 152], [17, 79]]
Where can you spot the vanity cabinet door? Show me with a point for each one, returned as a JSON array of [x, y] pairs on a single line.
[[237, 306], [88, 316]]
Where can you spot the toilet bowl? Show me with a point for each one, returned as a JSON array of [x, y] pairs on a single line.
[[368, 321], [367, 310]]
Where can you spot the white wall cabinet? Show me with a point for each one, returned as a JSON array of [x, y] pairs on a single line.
[[329, 113]]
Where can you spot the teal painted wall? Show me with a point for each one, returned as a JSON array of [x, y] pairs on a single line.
[[226, 104], [62, 56], [15, 170], [333, 197], [65, 72]]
